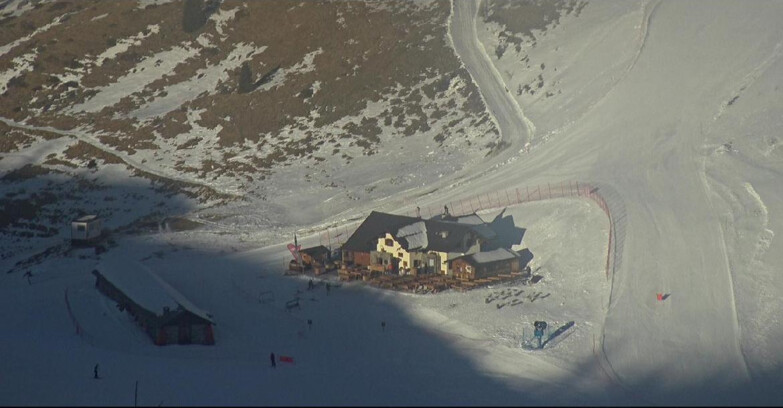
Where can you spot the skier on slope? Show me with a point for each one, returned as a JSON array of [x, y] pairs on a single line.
[[272, 358]]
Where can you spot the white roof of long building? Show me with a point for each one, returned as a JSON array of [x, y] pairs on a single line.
[[86, 218], [145, 287]]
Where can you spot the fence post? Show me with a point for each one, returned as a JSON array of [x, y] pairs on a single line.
[[527, 193], [518, 199], [508, 200]]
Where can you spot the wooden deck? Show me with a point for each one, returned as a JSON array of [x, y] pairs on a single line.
[[432, 283]]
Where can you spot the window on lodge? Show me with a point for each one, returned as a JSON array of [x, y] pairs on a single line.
[[389, 242], [416, 263], [81, 227]]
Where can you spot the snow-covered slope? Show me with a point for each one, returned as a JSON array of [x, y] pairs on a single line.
[[672, 109], [662, 133]]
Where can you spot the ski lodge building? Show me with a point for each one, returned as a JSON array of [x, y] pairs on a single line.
[[161, 311], [397, 244]]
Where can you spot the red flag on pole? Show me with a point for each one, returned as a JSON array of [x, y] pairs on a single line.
[[294, 251]]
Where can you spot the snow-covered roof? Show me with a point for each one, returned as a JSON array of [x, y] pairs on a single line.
[[415, 234], [86, 218], [499, 254], [146, 288], [478, 224], [471, 219]]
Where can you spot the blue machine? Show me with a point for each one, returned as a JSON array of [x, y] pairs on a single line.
[[540, 326]]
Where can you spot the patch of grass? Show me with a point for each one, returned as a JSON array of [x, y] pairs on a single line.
[[84, 151], [26, 172]]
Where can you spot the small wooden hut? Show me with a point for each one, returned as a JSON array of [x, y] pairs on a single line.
[[317, 255], [86, 229], [485, 264]]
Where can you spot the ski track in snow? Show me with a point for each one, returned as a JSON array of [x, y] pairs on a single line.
[[647, 15], [762, 245], [647, 10], [737, 327], [530, 128]]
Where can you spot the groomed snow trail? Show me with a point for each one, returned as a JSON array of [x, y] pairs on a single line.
[[515, 128], [643, 142]]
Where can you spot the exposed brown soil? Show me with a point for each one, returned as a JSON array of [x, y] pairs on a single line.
[[13, 139], [81, 151], [367, 51]]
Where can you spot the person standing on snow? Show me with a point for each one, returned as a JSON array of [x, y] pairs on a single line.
[[95, 372], [272, 358]]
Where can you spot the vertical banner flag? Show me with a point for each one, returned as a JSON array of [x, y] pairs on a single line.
[[294, 248]]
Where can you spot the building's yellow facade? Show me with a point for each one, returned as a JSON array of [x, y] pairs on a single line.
[[390, 245]]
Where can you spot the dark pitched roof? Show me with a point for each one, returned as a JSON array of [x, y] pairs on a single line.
[[315, 251], [442, 236], [376, 224], [433, 235], [447, 236]]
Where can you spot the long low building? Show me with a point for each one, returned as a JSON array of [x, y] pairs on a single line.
[[164, 313]]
